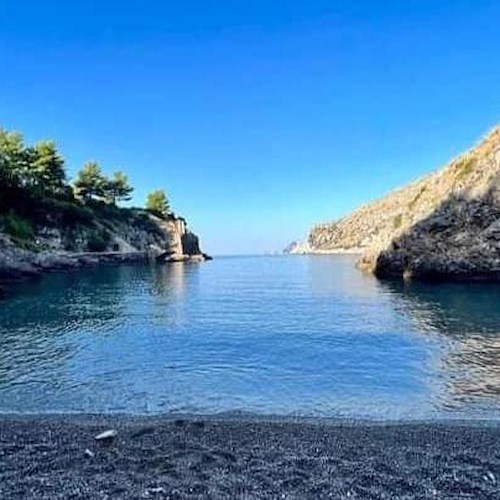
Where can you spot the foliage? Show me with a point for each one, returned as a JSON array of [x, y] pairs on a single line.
[[464, 166], [90, 182], [46, 169], [157, 203], [98, 241], [12, 158], [37, 170], [92, 185], [65, 213], [35, 192], [18, 227], [398, 221], [118, 188]]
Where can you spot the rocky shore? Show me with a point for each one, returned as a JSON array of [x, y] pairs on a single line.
[[155, 240], [443, 226], [17, 266], [59, 457]]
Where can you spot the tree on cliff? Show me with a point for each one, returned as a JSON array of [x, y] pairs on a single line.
[[12, 158], [158, 203], [90, 182], [46, 172], [118, 188], [37, 170]]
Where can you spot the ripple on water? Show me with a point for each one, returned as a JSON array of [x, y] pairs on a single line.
[[272, 335]]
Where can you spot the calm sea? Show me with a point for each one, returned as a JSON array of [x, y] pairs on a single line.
[[286, 335]]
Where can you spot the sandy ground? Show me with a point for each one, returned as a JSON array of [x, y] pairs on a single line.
[[57, 457]]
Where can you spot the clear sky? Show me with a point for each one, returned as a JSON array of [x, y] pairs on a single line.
[[259, 117]]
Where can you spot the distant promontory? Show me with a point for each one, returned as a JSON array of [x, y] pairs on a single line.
[[444, 226]]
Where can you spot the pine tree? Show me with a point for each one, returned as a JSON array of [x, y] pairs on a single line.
[[157, 203], [46, 169], [12, 158], [90, 183], [118, 188]]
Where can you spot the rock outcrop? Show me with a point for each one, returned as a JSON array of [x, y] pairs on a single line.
[[296, 248], [181, 244], [444, 226], [134, 236]]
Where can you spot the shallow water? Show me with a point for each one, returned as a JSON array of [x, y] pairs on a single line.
[[287, 335]]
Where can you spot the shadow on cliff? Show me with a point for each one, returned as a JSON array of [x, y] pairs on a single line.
[[190, 244], [458, 241]]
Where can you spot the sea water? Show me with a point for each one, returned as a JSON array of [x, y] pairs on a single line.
[[281, 335]]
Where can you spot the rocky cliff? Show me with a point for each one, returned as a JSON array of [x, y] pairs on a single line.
[[445, 225], [113, 236]]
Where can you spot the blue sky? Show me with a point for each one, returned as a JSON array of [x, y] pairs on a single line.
[[260, 118]]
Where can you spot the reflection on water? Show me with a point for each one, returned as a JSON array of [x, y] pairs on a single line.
[[281, 335], [468, 318]]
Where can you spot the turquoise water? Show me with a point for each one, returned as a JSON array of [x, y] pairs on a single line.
[[286, 335]]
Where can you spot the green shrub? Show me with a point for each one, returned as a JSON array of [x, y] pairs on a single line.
[[98, 241], [464, 166], [69, 213], [19, 228], [398, 220], [58, 213]]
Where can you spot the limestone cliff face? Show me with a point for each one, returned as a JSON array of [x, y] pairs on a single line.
[[179, 240], [445, 225], [134, 231], [128, 236]]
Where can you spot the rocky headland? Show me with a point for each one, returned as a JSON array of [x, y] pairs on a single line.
[[48, 222], [444, 226], [128, 236]]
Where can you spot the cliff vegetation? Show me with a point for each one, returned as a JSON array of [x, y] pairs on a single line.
[[44, 213]]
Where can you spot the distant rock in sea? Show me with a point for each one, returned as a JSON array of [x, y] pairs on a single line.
[[297, 248], [444, 226]]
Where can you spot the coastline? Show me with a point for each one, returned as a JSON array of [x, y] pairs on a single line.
[[26, 266], [334, 251], [338, 251], [56, 456]]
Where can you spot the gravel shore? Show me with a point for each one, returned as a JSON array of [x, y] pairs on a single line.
[[56, 457]]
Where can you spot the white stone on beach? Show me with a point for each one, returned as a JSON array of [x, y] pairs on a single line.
[[491, 477], [155, 491], [109, 434]]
